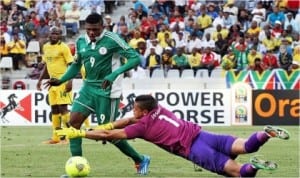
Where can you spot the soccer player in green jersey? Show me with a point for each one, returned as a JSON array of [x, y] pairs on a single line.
[[100, 52]]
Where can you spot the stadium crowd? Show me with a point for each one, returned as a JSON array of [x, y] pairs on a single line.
[[182, 34]]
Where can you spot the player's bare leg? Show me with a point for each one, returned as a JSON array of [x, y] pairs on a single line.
[[258, 139]]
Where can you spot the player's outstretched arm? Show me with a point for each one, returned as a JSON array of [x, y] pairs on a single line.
[[93, 134], [106, 134], [71, 132], [119, 124]]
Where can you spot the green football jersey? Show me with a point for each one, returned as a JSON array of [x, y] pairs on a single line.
[[102, 60]]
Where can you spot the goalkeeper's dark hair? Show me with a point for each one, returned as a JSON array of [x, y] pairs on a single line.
[[94, 18], [146, 102]]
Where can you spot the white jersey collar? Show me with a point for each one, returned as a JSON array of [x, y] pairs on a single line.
[[87, 39]]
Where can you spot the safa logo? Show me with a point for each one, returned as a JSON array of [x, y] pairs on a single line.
[[17, 104]]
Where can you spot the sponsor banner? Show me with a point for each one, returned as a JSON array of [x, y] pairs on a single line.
[[15, 107], [265, 80], [24, 107], [205, 107], [269, 79], [291, 81], [241, 100], [233, 77], [276, 107]]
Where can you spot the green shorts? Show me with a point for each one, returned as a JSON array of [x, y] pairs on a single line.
[[105, 108]]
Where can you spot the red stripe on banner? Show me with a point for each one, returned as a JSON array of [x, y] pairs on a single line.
[[2, 104], [297, 86], [25, 108], [271, 83]]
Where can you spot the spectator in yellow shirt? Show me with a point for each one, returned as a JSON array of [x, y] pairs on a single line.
[[219, 30], [168, 41], [17, 50], [136, 39], [194, 60], [269, 42], [3, 47], [153, 60], [204, 21], [161, 34], [166, 58], [281, 4], [228, 60], [296, 56], [252, 56], [254, 29]]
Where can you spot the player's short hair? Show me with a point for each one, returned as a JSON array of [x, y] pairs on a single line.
[[94, 18], [146, 102]]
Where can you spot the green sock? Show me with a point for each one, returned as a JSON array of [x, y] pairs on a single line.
[[128, 150], [75, 146]]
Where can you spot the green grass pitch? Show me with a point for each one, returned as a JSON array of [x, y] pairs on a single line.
[[23, 155]]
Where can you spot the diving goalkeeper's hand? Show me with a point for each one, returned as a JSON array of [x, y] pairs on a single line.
[[108, 126], [70, 132]]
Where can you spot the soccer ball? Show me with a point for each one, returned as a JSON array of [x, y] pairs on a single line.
[[77, 166]]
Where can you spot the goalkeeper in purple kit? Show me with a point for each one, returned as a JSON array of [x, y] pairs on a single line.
[[213, 152]]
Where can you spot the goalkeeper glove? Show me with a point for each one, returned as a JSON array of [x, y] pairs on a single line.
[[108, 126], [70, 132]]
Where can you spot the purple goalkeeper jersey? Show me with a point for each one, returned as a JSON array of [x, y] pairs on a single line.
[[164, 129]]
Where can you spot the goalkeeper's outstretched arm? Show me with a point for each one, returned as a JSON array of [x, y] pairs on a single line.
[[119, 124], [109, 131], [106, 134], [101, 134]]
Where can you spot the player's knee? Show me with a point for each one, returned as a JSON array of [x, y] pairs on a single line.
[[63, 109], [231, 169], [74, 123]]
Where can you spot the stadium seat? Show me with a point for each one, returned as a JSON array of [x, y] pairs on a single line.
[[33, 47], [173, 73], [183, 84], [209, 30], [187, 73], [6, 63], [147, 71], [202, 73], [158, 73], [32, 52], [217, 73], [148, 84]]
